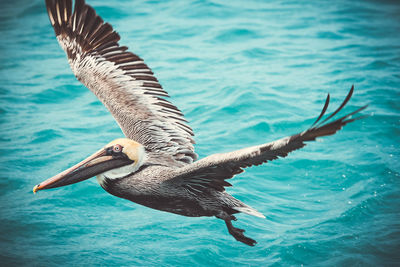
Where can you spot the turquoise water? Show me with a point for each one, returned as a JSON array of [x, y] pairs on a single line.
[[244, 73]]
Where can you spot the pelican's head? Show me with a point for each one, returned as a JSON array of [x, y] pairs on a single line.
[[117, 159]]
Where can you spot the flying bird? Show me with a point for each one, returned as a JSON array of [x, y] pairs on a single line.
[[155, 165]]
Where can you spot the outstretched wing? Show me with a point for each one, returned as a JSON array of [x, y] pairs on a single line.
[[121, 80], [212, 171]]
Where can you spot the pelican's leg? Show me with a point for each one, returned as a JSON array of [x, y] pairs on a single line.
[[237, 233]]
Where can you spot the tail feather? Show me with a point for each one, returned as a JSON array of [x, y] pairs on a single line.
[[249, 210]]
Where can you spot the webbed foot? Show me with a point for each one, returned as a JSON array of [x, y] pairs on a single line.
[[237, 233]]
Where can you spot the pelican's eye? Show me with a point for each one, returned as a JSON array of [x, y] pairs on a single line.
[[117, 148]]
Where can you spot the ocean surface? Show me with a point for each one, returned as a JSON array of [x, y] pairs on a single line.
[[243, 73]]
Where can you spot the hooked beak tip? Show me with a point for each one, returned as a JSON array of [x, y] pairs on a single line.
[[36, 188]]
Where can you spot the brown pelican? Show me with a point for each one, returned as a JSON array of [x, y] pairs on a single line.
[[155, 165]]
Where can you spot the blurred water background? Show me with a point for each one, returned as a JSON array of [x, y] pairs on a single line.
[[244, 73]]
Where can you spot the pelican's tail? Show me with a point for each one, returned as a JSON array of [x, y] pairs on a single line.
[[249, 210]]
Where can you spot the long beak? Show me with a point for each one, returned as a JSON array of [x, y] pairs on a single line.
[[97, 163]]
